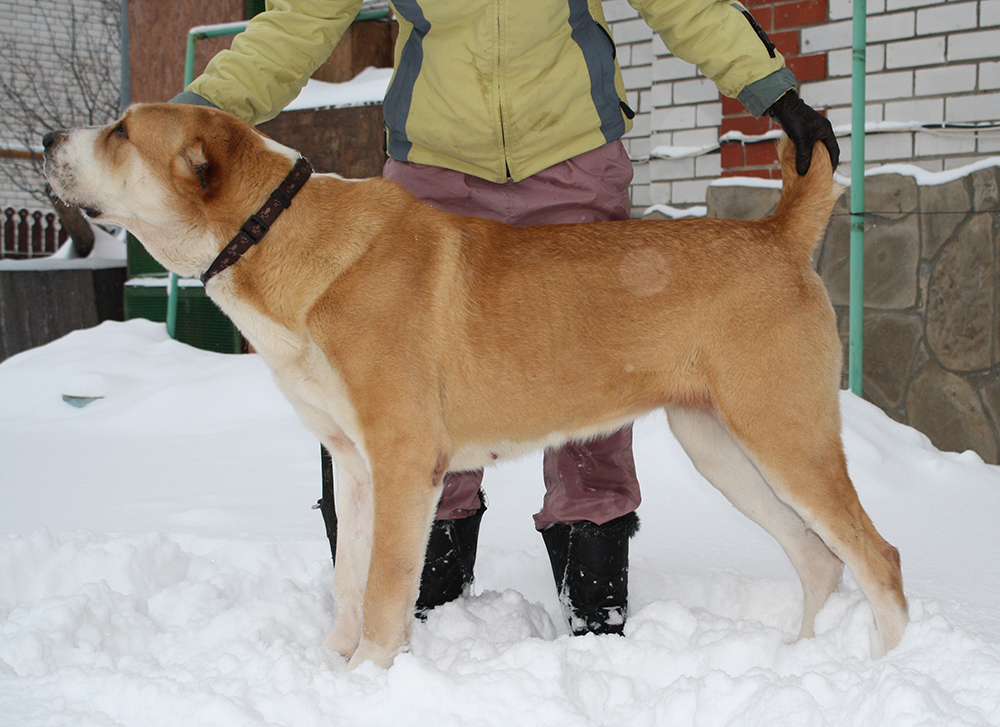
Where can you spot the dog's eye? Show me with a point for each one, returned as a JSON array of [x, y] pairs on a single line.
[[120, 131]]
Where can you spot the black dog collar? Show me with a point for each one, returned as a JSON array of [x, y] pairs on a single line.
[[257, 226]]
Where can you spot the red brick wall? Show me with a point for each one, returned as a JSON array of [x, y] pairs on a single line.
[[781, 20], [158, 42]]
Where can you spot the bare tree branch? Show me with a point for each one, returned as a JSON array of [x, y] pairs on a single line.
[[81, 88]]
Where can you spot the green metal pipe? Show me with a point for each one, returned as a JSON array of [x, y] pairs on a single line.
[[172, 287], [856, 314], [172, 306], [189, 59], [196, 34]]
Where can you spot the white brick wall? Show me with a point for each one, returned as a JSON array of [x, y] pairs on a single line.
[[918, 52], [38, 29], [946, 68], [681, 108], [827, 37], [947, 18], [928, 61]]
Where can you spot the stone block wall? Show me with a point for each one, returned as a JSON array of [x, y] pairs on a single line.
[[932, 313]]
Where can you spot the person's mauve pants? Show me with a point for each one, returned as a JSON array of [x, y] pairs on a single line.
[[594, 480]]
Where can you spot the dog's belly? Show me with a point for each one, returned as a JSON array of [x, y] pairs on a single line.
[[320, 397], [475, 456]]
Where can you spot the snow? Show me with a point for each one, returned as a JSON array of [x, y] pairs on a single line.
[[921, 177], [162, 281], [681, 152], [924, 178], [676, 213], [160, 564], [219, 28], [368, 87], [758, 182]]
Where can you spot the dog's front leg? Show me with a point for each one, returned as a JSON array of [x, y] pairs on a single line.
[[406, 487], [354, 539]]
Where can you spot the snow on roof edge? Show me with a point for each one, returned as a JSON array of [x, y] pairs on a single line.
[[922, 177]]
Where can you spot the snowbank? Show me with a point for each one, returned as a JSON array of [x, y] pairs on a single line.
[[160, 565]]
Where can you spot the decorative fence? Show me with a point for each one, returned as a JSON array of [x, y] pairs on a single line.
[[29, 234]]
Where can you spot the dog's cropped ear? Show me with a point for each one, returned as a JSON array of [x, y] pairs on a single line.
[[195, 163]]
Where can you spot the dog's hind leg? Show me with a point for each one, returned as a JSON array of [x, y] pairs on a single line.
[[354, 538], [723, 462], [792, 435]]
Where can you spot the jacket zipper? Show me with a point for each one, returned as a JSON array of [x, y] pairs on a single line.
[[499, 67]]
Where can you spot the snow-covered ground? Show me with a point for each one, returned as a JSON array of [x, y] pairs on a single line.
[[160, 565]]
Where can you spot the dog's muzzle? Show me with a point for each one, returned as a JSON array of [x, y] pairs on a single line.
[[50, 145]]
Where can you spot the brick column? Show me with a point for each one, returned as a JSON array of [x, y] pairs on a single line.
[[782, 20]]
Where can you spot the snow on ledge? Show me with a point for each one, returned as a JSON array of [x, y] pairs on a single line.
[[234, 27], [922, 177], [162, 281], [676, 213], [925, 178], [366, 88], [746, 182]]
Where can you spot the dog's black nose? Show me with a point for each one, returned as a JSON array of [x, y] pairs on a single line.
[[49, 138]]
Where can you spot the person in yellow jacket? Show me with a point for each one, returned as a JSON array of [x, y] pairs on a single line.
[[514, 111]]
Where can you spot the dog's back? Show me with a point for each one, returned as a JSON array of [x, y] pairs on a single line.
[[643, 309]]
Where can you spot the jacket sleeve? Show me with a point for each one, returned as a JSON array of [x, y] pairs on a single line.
[[270, 62], [720, 38]]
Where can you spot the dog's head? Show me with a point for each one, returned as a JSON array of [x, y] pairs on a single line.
[[182, 179]]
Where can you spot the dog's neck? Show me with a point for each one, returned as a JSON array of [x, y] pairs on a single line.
[[254, 229]]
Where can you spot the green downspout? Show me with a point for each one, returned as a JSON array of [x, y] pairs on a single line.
[[222, 31], [857, 308]]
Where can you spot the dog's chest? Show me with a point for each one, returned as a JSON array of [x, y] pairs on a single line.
[[301, 371]]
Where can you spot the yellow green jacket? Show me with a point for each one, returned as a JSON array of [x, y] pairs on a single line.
[[500, 89]]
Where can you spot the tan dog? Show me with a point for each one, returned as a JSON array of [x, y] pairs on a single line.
[[414, 342]]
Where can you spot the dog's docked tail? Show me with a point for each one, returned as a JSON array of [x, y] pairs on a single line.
[[806, 202]]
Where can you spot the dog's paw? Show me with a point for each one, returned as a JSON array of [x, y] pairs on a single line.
[[343, 638], [370, 651]]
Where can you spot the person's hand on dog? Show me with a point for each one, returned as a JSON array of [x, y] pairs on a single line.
[[804, 126]]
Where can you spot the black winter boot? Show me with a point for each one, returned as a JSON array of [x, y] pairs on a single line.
[[448, 564], [590, 565], [326, 504]]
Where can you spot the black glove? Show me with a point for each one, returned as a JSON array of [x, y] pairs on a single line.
[[804, 126]]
